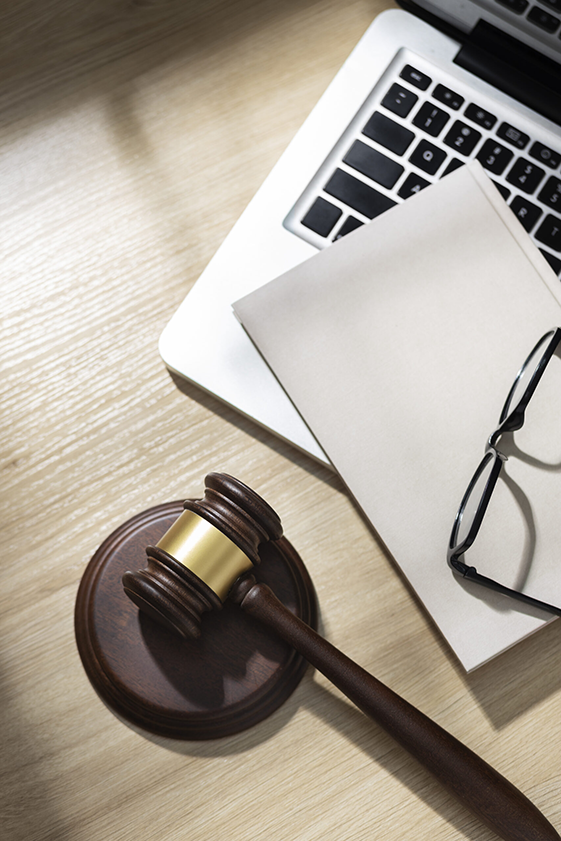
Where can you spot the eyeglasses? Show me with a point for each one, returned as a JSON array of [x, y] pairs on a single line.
[[476, 499]]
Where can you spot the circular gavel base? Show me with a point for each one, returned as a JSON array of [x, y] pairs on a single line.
[[236, 674]]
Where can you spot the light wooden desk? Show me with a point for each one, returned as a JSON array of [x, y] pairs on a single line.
[[132, 136]]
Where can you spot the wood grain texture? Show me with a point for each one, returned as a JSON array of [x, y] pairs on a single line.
[[132, 137]]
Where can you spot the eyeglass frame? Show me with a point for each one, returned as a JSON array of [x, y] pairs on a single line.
[[508, 422]]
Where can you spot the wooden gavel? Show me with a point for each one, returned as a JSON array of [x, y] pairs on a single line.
[[207, 556]]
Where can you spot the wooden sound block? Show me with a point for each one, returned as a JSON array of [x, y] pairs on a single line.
[[236, 674]]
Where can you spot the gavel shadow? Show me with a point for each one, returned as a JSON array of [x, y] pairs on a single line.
[[224, 664]]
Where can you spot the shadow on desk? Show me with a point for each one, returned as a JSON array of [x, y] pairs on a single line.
[[350, 725], [520, 678], [52, 51], [27, 801], [231, 416]]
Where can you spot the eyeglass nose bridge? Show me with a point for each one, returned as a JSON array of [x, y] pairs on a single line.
[[512, 424]]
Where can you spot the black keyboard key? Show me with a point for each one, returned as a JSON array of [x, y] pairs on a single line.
[[554, 262], [431, 119], [427, 157], [321, 217], [357, 194], [543, 19], [455, 163], [512, 135], [388, 133], [545, 155], [550, 193], [554, 4], [494, 157], [450, 98], [399, 100], [549, 232], [415, 77], [373, 164], [480, 116], [462, 138], [517, 6], [504, 191], [351, 223], [413, 184], [526, 212], [525, 175]]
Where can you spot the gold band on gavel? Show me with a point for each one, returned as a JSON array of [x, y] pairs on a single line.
[[203, 549]]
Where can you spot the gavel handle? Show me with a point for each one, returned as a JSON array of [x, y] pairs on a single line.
[[485, 792]]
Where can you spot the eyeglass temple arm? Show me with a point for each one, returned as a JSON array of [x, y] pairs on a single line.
[[472, 575]]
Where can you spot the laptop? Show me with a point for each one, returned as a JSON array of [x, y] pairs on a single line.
[[429, 87]]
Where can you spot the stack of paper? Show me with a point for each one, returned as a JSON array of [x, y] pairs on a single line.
[[398, 345]]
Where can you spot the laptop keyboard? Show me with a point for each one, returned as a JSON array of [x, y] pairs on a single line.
[[548, 19], [414, 130]]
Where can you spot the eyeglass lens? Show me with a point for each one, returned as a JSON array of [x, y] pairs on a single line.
[[473, 498], [524, 378]]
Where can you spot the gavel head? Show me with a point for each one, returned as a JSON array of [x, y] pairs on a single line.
[[212, 543]]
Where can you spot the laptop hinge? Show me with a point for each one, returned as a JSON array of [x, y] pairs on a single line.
[[514, 68]]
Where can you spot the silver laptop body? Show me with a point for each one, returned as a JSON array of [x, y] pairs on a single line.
[[424, 91]]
